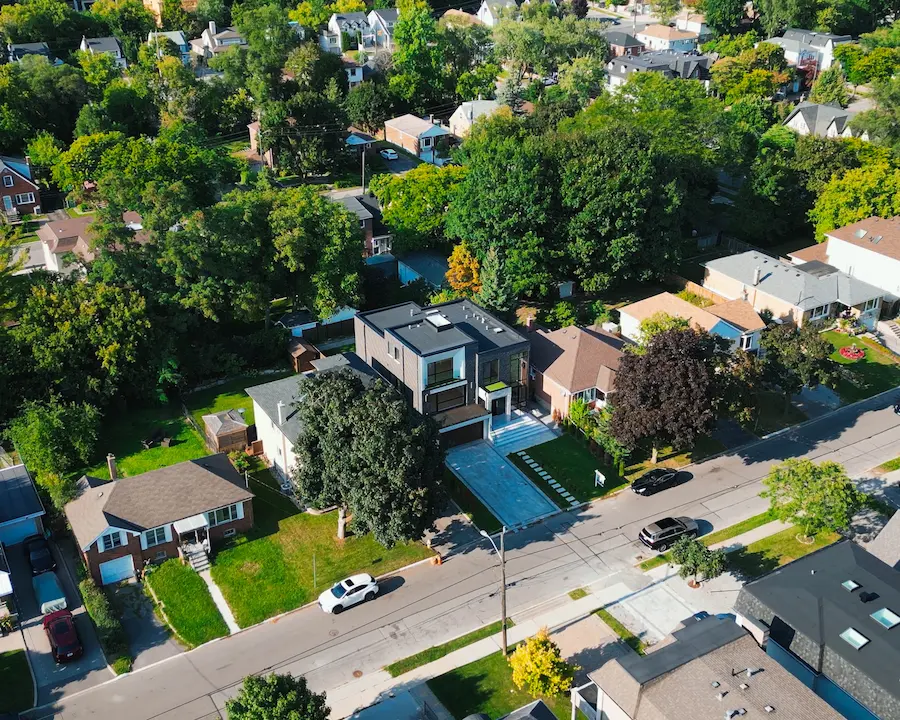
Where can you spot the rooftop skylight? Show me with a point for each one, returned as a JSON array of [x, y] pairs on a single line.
[[849, 585], [886, 617], [854, 638]]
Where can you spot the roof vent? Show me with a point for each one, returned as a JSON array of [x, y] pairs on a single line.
[[876, 239], [743, 686], [751, 671], [769, 708], [860, 234], [498, 329], [721, 695], [868, 596]]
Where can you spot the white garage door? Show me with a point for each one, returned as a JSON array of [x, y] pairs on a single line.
[[16, 532], [115, 570]]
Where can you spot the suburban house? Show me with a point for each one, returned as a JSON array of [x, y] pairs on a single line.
[[672, 64], [693, 22], [179, 43], [346, 31], [376, 236], [734, 320], [536, 710], [226, 431], [298, 322], [21, 195], [490, 12], [793, 293], [213, 41], [706, 670], [830, 121], [663, 37], [808, 49], [465, 115], [16, 51], [21, 511], [382, 23], [428, 265], [454, 361], [886, 545], [275, 410], [621, 43], [180, 510], [354, 73], [868, 250], [106, 45], [573, 363], [416, 135], [830, 619], [73, 237]]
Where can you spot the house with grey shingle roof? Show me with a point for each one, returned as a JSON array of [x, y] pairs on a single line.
[[804, 47], [106, 46], [831, 121], [672, 64]]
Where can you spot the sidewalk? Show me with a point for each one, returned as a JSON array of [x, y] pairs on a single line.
[[751, 536], [219, 600]]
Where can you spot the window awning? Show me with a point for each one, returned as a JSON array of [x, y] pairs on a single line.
[[195, 522]]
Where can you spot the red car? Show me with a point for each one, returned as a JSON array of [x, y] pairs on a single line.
[[64, 642]]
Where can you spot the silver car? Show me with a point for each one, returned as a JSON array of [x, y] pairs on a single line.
[[664, 533]]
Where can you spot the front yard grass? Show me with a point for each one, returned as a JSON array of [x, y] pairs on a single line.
[[228, 396], [772, 414], [878, 371], [186, 602], [18, 688], [572, 465], [774, 551], [627, 637], [889, 466], [668, 457], [470, 505], [486, 686], [270, 570]]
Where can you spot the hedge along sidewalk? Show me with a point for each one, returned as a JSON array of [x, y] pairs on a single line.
[[110, 632]]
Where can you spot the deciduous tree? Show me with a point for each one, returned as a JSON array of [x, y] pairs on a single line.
[[659, 322], [796, 358], [695, 559], [538, 667], [368, 105], [462, 272], [418, 76], [276, 697], [723, 16], [665, 10]]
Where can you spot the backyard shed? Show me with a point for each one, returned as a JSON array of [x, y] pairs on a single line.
[[302, 354], [226, 431]]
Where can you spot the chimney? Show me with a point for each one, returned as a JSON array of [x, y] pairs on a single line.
[[756, 274], [111, 464], [529, 322], [280, 413], [213, 30]]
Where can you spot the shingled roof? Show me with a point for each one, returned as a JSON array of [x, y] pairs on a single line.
[[577, 358]]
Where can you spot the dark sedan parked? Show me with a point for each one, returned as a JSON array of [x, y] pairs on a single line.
[[37, 550], [664, 533], [658, 479], [63, 637]]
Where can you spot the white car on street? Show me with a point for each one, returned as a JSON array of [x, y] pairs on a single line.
[[389, 154], [347, 593]]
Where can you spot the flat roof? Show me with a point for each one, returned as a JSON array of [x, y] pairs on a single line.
[[18, 496]]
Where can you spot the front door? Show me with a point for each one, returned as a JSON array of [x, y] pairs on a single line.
[[7, 203], [498, 407]]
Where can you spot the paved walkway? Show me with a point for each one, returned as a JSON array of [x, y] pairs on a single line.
[[219, 600], [565, 495]]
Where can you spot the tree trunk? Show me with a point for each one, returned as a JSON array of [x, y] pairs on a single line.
[[342, 522], [787, 402], [654, 456]]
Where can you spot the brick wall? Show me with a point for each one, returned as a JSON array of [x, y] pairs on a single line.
[[407, 142], [19, 187], [94, 558]]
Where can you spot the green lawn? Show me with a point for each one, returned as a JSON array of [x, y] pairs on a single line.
[[668, 457], [270, 570], [122, 435], [774, 551], [486, 686], [439, 651], [228, 396], [15, 678], [572, 465], [578, 593], [628, 637], [471, 506], [772, 414], [187, 604], [878, 371], [889, 466]]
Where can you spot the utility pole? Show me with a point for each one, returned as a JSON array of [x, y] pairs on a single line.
[[363, 153], [501, 552]]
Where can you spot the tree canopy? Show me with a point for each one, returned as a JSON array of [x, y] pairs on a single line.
[[276, 697]]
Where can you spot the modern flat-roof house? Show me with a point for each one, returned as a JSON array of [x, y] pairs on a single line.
[[663, 37], [454, 361], [105, 45], [868, 250], [793, 293], [734, 320], [806, 48], [574, 363], [832, 619], [416, 135], [467, 113], [176, 511], [21, 195], [710, 669], [21, 511], [831, 121]]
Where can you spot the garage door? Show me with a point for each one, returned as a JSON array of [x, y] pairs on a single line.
[[463, 435], [116, 570], [16, 532]]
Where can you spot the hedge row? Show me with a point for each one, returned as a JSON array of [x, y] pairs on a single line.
[[109, 628]]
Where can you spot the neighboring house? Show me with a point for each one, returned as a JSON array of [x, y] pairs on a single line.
[[302, 354], [21, 195], [376, 237], [21, 511], [354, 73], [830, 121], [105, 45], [428, 265], [416, 135], [706, 670], [490, 12], [382, 24], [574, 363], [663, 37], [465, 115], [809, 49], [159, 39], [213, 41], [16, 51], [226, 431], [831, 619], [735, 320], [454, 361], [123, 524], [886, 545], [347, 31], [276, 414], [61, 237], [621, 43], [793, 293], [693, 22], [868, 250], [303, 321], [672, 64], [533, 711]]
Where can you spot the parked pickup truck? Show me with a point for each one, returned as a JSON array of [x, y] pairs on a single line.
[[49, 593]]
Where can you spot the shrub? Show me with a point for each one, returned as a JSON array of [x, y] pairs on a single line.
[[109, 629], [538, 667], [561, 315], [240, 461], [121, 665]]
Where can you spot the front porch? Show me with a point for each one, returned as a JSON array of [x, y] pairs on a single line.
[[193, 541]]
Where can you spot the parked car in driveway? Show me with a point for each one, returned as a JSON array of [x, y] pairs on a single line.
[[49, 593], [37, 550], [64, 643], [664, 533], [347, 593], [658, 479], [388, 154]]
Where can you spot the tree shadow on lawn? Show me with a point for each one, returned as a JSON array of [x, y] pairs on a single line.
[[462, 695], [746, 565]]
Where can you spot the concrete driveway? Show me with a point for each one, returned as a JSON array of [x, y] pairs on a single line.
[[55, 681], [499, 485], [148, 639]]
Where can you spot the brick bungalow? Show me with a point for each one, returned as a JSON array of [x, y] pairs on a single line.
[[21, 195]]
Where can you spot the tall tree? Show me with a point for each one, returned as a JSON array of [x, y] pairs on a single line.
[[830, 88], [665, 10], [368, 105], [462, 272], [873, 189], [579, 8], [418, 76], [776, 15], [723, 16], [276, 697], [269, 40], [796, 358], [496, 292]]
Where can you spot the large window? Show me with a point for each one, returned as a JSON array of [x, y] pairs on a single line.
[[222, 515], [517, 362], [440, 372], [8, 180], [25, 198], [450, 398], [589, 395], [110, 541], [490, 372], [156, 536], [819, 312], [870, 305]]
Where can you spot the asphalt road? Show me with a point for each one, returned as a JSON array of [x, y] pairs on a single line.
[[428, 605]]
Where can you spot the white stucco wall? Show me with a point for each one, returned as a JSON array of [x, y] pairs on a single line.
[[871, 267], [631, 327], [278, 449]]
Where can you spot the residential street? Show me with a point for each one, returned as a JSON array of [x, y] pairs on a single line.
[[429, 604]]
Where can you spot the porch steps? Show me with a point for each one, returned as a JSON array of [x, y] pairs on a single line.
[[522, 431], [197, 557], [890, 335]]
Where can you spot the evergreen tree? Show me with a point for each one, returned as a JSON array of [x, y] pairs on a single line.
[[830, 88], [496, 293]]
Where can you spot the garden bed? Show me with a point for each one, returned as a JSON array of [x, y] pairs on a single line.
[[877, 371]]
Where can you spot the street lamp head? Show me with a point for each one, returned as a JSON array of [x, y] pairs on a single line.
[[484, 533]]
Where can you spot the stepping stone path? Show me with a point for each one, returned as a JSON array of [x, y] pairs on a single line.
[[566, 495]]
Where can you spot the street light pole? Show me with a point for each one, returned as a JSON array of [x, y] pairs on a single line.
[[501, 552]]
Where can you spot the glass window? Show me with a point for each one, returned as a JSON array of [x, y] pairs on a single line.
[[450, 398], [746, 342], [818, 312], [887, 618], [156, 536], [222, 515], [854, 638], [8, 180], [870, 305], [440, 372], [490, 372], [111, 540], [24, 198], [517, 363]]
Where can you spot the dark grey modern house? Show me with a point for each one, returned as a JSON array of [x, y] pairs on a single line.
[[832, 619]]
